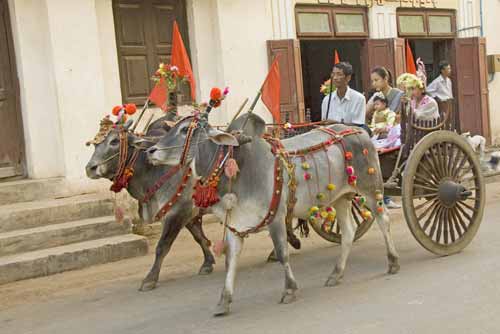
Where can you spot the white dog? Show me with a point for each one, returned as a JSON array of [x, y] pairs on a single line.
[[477, 142]]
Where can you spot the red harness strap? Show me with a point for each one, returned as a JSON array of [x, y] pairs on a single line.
[[178, 193], [125, 171], [161, 181], [273, 206]]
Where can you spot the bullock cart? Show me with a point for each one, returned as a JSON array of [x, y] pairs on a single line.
[[439, 178]]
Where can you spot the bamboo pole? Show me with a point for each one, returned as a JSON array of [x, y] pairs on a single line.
[[146, 105], [240, 110]]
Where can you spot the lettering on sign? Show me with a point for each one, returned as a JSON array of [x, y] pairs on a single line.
[[371, 3]]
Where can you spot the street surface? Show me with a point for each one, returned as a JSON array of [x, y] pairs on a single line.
[[457, 294]]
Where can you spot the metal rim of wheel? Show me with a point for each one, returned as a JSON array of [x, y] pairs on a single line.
[[443, 193], [333, 234]]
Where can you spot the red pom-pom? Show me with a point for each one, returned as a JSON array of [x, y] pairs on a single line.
[[116, 110], [130, 109], [348, 155], [215, 94]]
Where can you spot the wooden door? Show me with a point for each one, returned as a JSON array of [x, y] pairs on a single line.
[[388, 52], [292, 90], [11, 134], [470, 81], [144, 39]]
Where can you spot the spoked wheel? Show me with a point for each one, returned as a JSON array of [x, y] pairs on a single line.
[[332, 231], [443, 193]]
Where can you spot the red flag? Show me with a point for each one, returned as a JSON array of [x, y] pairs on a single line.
[[159, 94], [271, 90], [410, 61], [336, 58], [181, 60]]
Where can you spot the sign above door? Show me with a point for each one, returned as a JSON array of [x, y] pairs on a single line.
[[371, 3]]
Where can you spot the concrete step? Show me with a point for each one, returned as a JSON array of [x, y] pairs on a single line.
[[25, 215], [74, 256], [60, 234], [31, 190]]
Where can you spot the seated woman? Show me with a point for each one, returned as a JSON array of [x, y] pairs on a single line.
[[383, 117], [424, 106]]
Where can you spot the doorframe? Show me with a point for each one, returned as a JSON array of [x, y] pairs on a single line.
[[18, 169]]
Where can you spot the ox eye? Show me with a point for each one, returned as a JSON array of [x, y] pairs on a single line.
[[115, 142], [184, 130]]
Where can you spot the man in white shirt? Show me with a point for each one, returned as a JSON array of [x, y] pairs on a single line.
[[441, 88], [344, 105]]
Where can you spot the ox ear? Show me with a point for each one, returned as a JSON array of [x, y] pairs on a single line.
[[222, 138], [141, 143]]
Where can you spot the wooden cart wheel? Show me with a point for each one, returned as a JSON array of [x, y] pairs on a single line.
[[443, 193], [332, 232]]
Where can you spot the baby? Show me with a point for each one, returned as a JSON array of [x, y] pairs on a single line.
[[393, 138], [383, 118]]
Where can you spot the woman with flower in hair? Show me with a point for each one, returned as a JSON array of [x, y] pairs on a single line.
[[424, 106]]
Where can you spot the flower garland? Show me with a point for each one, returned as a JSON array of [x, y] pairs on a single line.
[[327, 87], [123, 111], [170, 74]]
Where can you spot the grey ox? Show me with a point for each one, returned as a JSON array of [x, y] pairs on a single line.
[[254, 188], [104, 164]]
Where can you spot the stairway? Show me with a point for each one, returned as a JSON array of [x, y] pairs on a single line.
[[45, 230]]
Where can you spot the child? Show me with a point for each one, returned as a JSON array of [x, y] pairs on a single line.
[[383, 117], [393, 138]]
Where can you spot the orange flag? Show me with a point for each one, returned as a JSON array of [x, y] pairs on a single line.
[[271, 90], [410, 61], [336, 58], [159, 94], [181, 60]]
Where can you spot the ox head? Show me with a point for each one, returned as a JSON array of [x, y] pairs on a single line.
[[186, 136], [104, 160]]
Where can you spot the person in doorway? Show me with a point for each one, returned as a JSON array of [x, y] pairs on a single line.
[[424, 106], [441, 88], [344, 105], [381, 81], [383, 117]]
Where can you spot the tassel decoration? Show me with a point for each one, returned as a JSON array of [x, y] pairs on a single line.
[[219, 248], [231, 168], [206, 195]]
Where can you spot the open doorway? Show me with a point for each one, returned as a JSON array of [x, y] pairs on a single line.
[[431, 52], [317, 60]]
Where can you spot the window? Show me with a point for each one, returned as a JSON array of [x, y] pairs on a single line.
[[328, 21], [350, 23], [440, 24], [411, 25], [311, 23], [426, 23]]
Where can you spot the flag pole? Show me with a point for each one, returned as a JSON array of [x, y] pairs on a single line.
[[146, 105], [254, 103], [240, 110], [329, 97]]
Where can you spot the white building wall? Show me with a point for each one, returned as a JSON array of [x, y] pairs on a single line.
[[491, 11], [39, 103], [68, 71]]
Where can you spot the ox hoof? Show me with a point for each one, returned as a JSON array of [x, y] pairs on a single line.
[[206, 269], [393, 268], [288, 297], [147, 285], [332, 281], [223, 308], [272, 257]]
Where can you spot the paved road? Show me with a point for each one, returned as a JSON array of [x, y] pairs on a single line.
[[458, 294]]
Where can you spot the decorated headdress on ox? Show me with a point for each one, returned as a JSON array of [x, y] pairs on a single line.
[[121, 112]]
